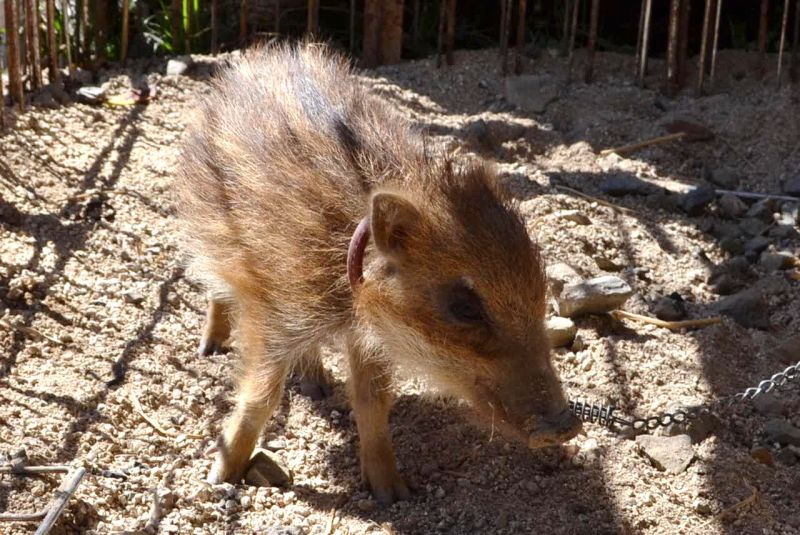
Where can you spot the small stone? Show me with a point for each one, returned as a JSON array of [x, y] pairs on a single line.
[[780, 431], [752, 226], [532, 486], [670, 308], [531, 93], [695, 202], [669, 454], [755, 246], [178, 65], [559, 274], [620, 185], [701, 507], [245, 502], [133, 297], [732, 245], [789, 214], [284, 530], [576, 216], [731, 206], [440, 493], [762, 455], [607, 264], [560, 331], [792, 187], [267, 470], [784, 232], [594, 296], [748, 308], [762, 210], [276, 445], [367, 505], [772, 262], [724, 178]]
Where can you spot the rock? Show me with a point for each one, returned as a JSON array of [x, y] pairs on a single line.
[[82, 76], [560, 331], [559, 274], [479, 131], [792, 187], [531, 93], [132, 297], [789, 214], [780, 431], [762, 210], [732, 245], [178, 65], [731, 206], [594, 296], [44, 99], [669, 454], [694, 202], [783, 232], [752, 226], [367, 505], [748, 308], [724, 178], [267, 470], [283, 530], [762, 455], [576, 216], [620, 185], [755, 246], [776, 261], [724, 229], [670, 308], [91, 94], [607, 264], [730, 276]]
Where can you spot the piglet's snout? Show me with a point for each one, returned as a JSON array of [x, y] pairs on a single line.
[[553, 430]]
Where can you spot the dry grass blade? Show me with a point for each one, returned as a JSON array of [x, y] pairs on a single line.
[[31, 332], [595, 199], [643, 144], [137, 406], [331, 522], [672, 325]]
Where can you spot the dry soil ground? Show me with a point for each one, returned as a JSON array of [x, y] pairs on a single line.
[[96, 312]]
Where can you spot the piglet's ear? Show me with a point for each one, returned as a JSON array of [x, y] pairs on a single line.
[[394, 219]]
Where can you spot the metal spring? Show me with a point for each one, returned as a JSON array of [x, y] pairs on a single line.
[[593, 412]]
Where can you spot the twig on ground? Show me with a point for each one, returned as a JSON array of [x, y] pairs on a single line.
[[672, 325], [68, 487], [137, 406], [32, 333], [749, 195], [646, 143], [155, 514], [750, 500], [595, 199], [331, 522]]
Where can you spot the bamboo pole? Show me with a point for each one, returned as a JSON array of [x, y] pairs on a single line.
[[683, 41], [795, 39], [503, 8], [593, 21], [763, 27], [451, 31], [440, 34], [672, 47], [716, 43], [67, 37], [54, 74], [523, 4], [126, 6], [84, 37], [573, 35], [645, 42], [12, 51], [784, 23], [215, 27], [701, 72], [32, 35], [312, 26], [639, 36]]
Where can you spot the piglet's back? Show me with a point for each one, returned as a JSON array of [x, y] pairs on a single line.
[[276, 170]]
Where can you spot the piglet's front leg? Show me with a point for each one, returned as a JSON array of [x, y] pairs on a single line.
[[371, 401]]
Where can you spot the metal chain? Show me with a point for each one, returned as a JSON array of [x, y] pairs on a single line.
[[604, 414]]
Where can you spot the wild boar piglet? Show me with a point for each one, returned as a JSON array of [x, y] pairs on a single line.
[[314, 213]]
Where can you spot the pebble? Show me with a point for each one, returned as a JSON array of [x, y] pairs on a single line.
[[440, 493], [772, 262], [755, 246], [748, 308], [670, 308], [780, 431], [559, 274], [752, 226], [695, 202], [731, 206], [724, 178], [367, 505], [560, 331], [762, 210], [267, 470], [576, 216], [178, 65], [669, 454], [594, 296]]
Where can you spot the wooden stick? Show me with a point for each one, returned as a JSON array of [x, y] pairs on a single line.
[[2, 104], [523, 4], [503, 8], [68, 487], [672, 47], [312, 26], [701, 72], [506, 37], [31, 332], [643, 144], [784, 23], [32, 34], [12, 50], [645, 42], [160, 430], [795, 40], [34, 470], [763, 27], [573, 37], [126, 5], [671, 325], [67, 38], [440, 34], [683, 41], [716, 44], [594, 17], [451, 31], [53, 74], [639, 35], [588, 197], [565, 30]]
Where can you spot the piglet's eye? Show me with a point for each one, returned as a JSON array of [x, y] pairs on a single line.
[[463, 305]]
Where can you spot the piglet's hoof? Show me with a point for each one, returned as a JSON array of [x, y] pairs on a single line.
[[267, 470]]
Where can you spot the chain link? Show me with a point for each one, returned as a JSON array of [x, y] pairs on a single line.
[[605, 414]]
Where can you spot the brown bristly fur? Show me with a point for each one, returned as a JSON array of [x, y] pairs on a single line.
[[286, 155]]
